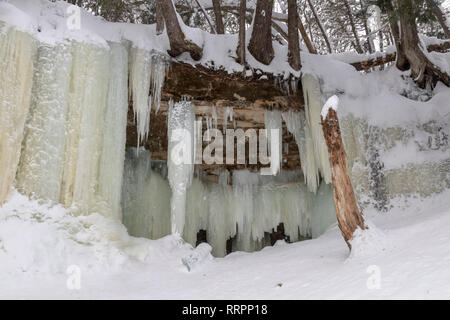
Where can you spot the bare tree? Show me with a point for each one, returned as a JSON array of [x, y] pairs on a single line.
[[220, 29], [241, 45], [293, 45], [260, 45]]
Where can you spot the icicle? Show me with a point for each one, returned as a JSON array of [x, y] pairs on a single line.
[[297, 126], [17, 51], [272, 120], [114, 133], [84, 130], [41, 164], [158, 75], [140, 79], [181, 119]]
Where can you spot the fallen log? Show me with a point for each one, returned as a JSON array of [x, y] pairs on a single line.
[[366, 65]]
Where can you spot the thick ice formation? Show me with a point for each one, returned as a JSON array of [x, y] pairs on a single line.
[[114, 133], [17, 50], [42, 159], [313, 107], [180, 161], [84, 131]]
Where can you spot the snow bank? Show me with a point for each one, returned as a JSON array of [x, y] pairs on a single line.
[[39, 238]]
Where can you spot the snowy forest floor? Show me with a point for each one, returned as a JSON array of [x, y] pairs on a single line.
[[408, 249]]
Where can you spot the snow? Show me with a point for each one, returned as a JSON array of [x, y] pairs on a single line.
[[409, 248], [332, 103], [385, 120]]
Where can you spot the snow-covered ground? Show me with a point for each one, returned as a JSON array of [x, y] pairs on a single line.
[[405, 256]]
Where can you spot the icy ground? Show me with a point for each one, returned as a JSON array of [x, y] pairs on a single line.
[[408, 249]]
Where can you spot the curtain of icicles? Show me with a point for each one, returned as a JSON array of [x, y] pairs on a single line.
[[147, 73], [63, 117]]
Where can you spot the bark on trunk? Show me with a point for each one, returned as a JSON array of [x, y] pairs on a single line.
[[440, 17], [220, 29], [260, 45], [402, 62], [159, 19], [178, 44], [348, 215], [305, 37], [293, 46], [422, 69], [241, 45]]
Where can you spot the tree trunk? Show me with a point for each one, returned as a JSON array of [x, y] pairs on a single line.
[[241, 45], [322, 29], [402, 62], [159, 19], [178, 44], [220, 29], [260, 45], [353, 26], [436, 9], [422, 69], [305, 37], [348, 215], [293, 46]]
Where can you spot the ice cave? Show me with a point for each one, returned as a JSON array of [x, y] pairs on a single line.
[[93, 125]]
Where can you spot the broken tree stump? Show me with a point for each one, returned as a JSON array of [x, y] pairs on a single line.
[[348, 215]]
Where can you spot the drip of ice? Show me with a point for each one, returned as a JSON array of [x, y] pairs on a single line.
[[228, 115], [147, 71], [180, 161], [158, 75], [140, 79]]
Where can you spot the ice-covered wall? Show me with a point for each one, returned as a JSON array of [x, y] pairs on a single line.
[[64, 107], [17, 50], [396, 160], [396, 147]]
